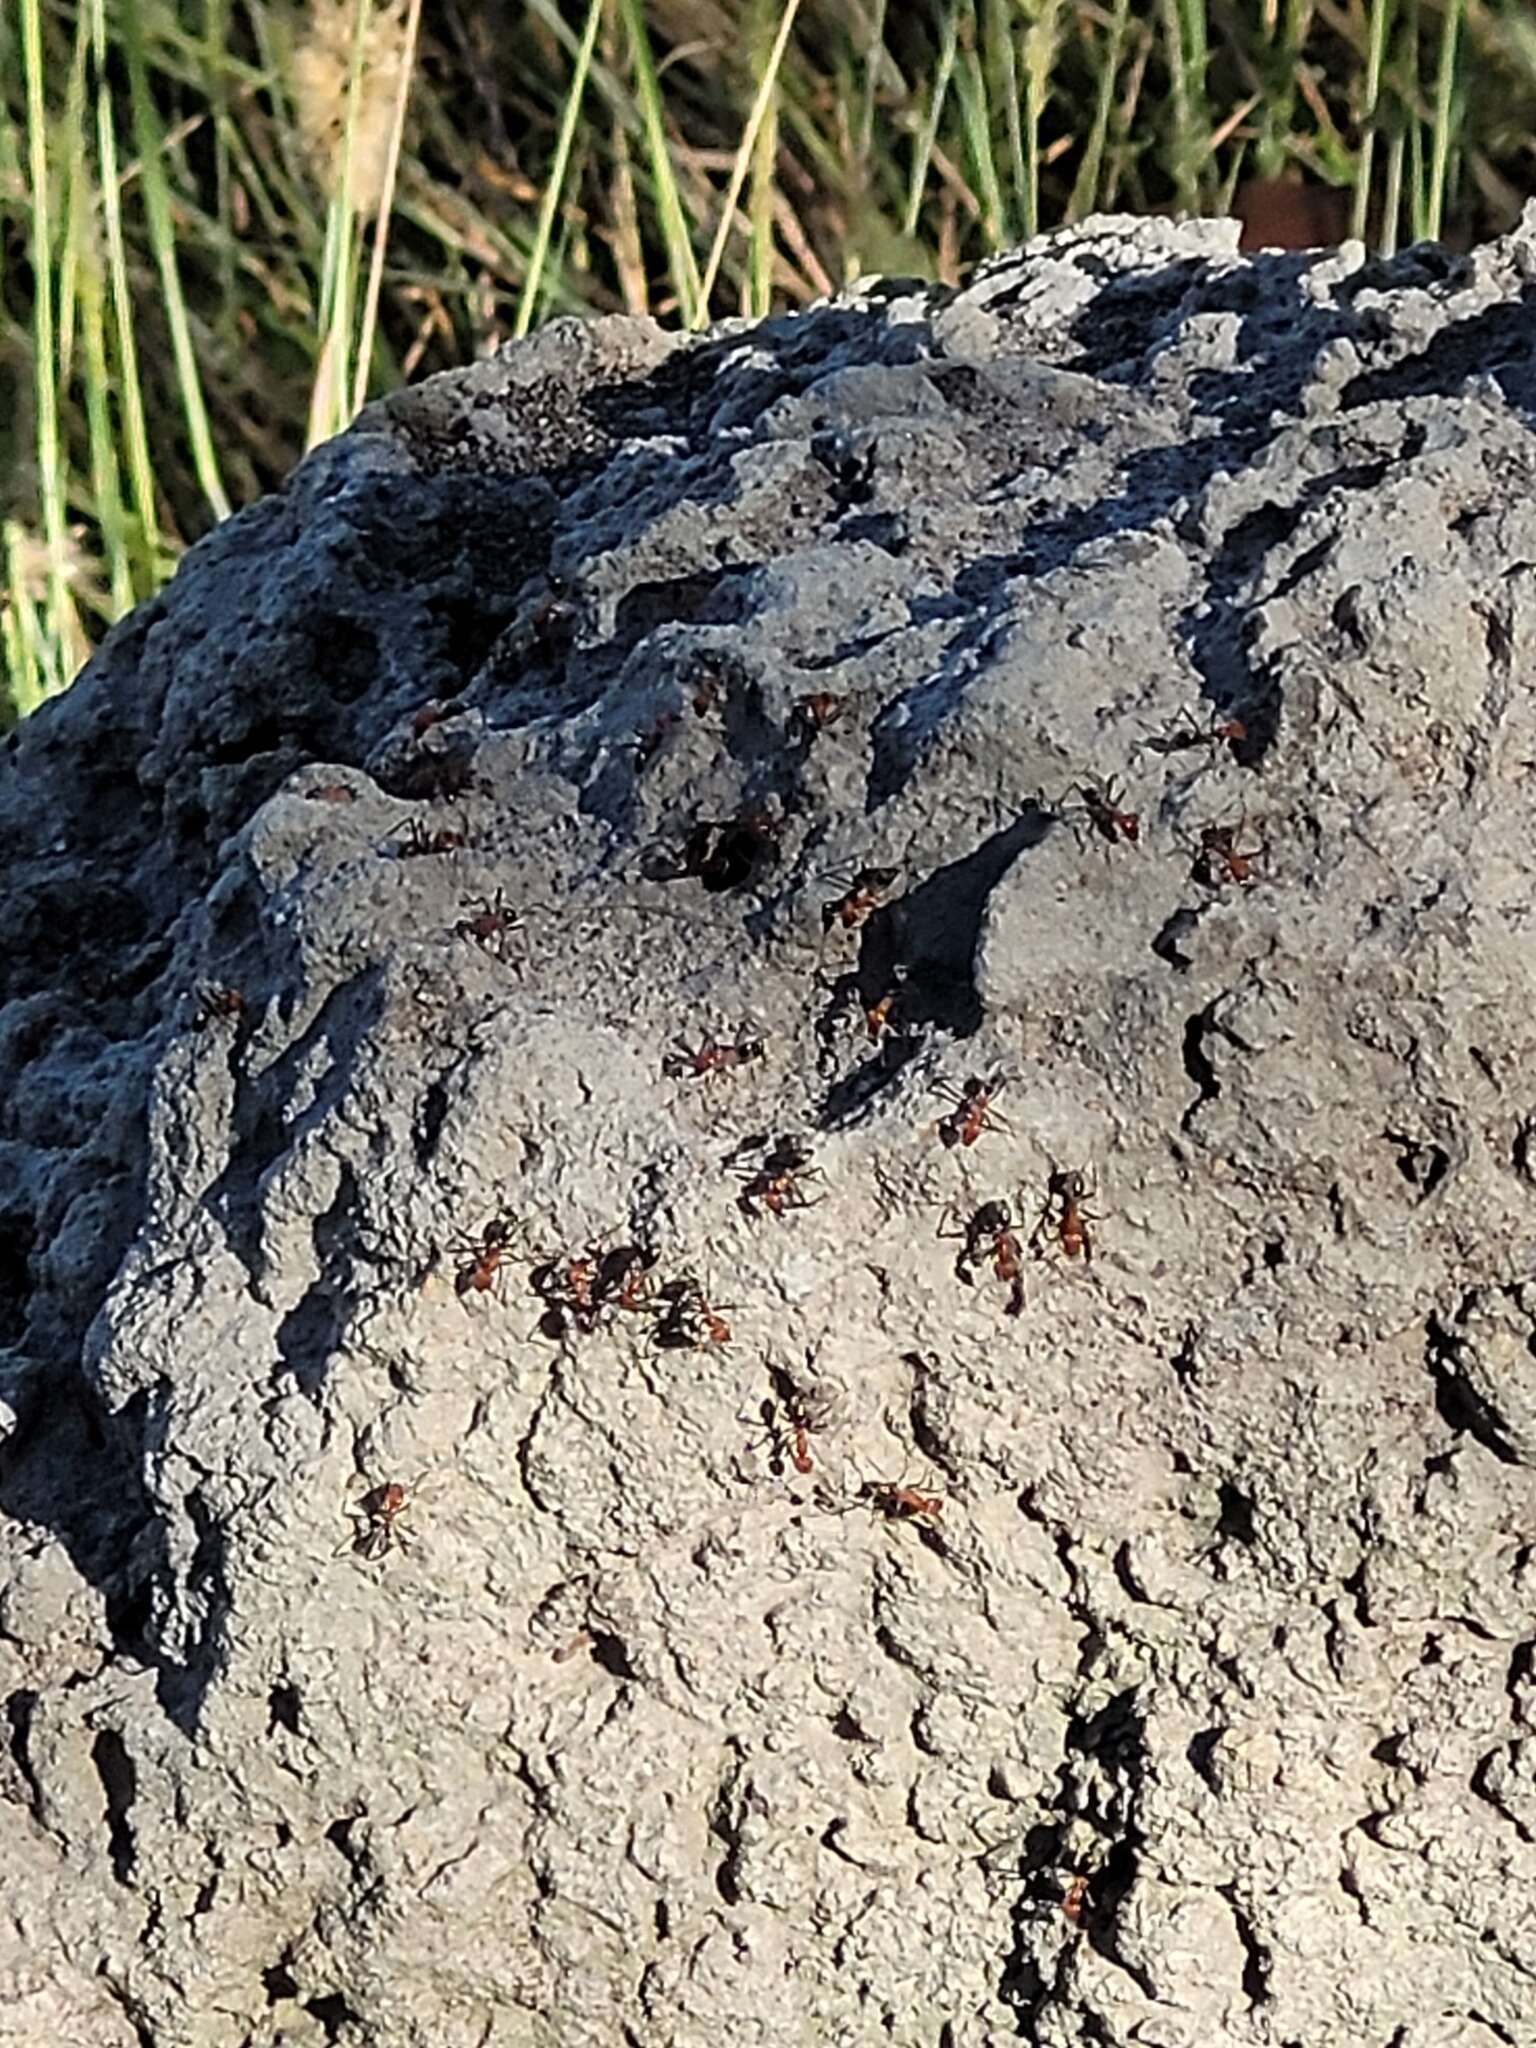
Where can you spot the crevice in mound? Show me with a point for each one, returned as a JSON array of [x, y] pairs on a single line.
[[1235, 1521], [1197, 1063], [120, 1784], [719, 1823], [1496, 338], [1201, 1754], [310, 1334], [917, 959], [207, 1582], [1459, 1404], [131, 2008], [20, 1711], [1479, 1782], [1422, 1163], [609, 1654], [713, 597], [334, 2012], [1257, 1960], [1168, 943], [278, 1981], [18, 1235], [264, 1134], [283, 1705], [468, 630]]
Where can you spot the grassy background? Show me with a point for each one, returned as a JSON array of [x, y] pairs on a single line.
[[223, 223]]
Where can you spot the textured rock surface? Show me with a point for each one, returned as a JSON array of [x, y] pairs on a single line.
[[1204, 1709]]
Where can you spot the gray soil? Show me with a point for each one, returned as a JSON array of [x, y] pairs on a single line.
[[989, 1642]]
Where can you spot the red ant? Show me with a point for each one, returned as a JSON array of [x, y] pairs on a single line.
[[490, 924], [789, 1436], [431, 713], [418, 841], [622, 1278], [859, 899], [778, 1185], [798, 1414], [688, 1322], [484, 1256], [973, 1112], [877, 1017], [553, 619], [888, 1011], [706, 690], [1066, 1214], [377, 1516], [1220, 859], [218, 1006], [332, 793], [711, 1057], [1183, 739], [1075, 1900], [1101, 801], [814, 713], [990, 1236], [897, 1502], [566, 1287]]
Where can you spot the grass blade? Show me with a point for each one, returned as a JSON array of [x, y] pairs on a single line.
[[1444, 121], [761, 102], [674, 224], [386, 205], [149, 140], [928, 135], [554, 183]]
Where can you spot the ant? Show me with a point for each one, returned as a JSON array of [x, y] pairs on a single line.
[[894, 1501], [622, 1278], [711, 1057], [332, 793], [972, 1112], [433, 712], [779, 1183], [726, 853], [1101, 801], [553, 619], [484, 1255], [788, 1432], [490, 924], [567, 1289], [889, 1012], [418, 841], [989, 1237], [377, 1516], [1067, 1214], [798, 1414], [708, 678], [217, 1006], [814, 713], [879, 1016], [688, 1321], [1075, 1899], [1184, 739], [858, 900], [1221, 860]]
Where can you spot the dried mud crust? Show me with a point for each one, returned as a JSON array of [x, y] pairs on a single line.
[[766, 1247]]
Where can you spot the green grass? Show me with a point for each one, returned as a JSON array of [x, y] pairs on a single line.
[[225, 223]]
